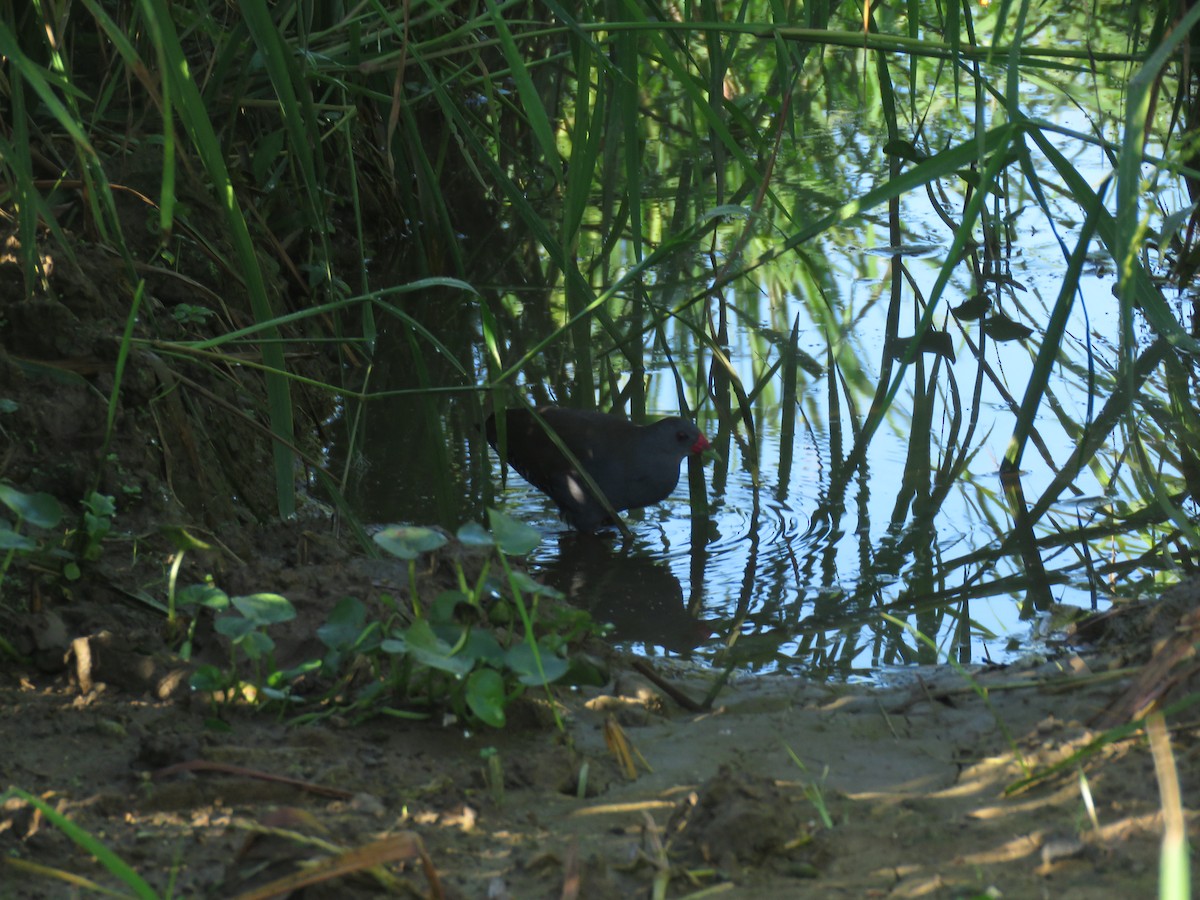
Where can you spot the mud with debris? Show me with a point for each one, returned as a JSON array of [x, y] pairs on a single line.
[[783, 789]]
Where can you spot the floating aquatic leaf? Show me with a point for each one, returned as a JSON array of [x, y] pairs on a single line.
[[974, 308], [1001, 328], [905, 150], [939, 343]]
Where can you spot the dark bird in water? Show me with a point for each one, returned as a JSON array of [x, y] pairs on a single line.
[[632, 465]]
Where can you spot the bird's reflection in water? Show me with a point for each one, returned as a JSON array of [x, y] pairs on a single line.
[[639, 597]]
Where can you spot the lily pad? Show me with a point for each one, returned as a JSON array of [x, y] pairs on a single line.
[[1001, 328]]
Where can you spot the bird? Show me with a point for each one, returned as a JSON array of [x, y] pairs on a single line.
[[632, 465]]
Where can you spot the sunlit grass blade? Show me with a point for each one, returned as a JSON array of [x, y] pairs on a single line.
[[45, 86], [89, 843], [1175, 880]]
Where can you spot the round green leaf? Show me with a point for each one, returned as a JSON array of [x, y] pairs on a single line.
[[485, 697], [256, 644], [522, 660], [233, 627], [513, 538], [344, 625], [481, 645], [11, 540], [264, 609], [202, 595], [444, 604], [208, 678], [475, 535], [37, 509], [428, 649], [100, 504], [409, 541]]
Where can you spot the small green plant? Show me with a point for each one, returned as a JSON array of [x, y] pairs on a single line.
[[812, 789], [188, 314], [244, 622], [129, 483], [98, 512], [184, 541], [472, 650], [493, 773], [484, 674], [32, 536], [26, 536], [206, 595]]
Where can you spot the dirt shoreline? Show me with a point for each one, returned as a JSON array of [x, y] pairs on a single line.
[[911, 776]]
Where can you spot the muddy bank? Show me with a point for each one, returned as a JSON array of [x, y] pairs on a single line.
[[784, 789]]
